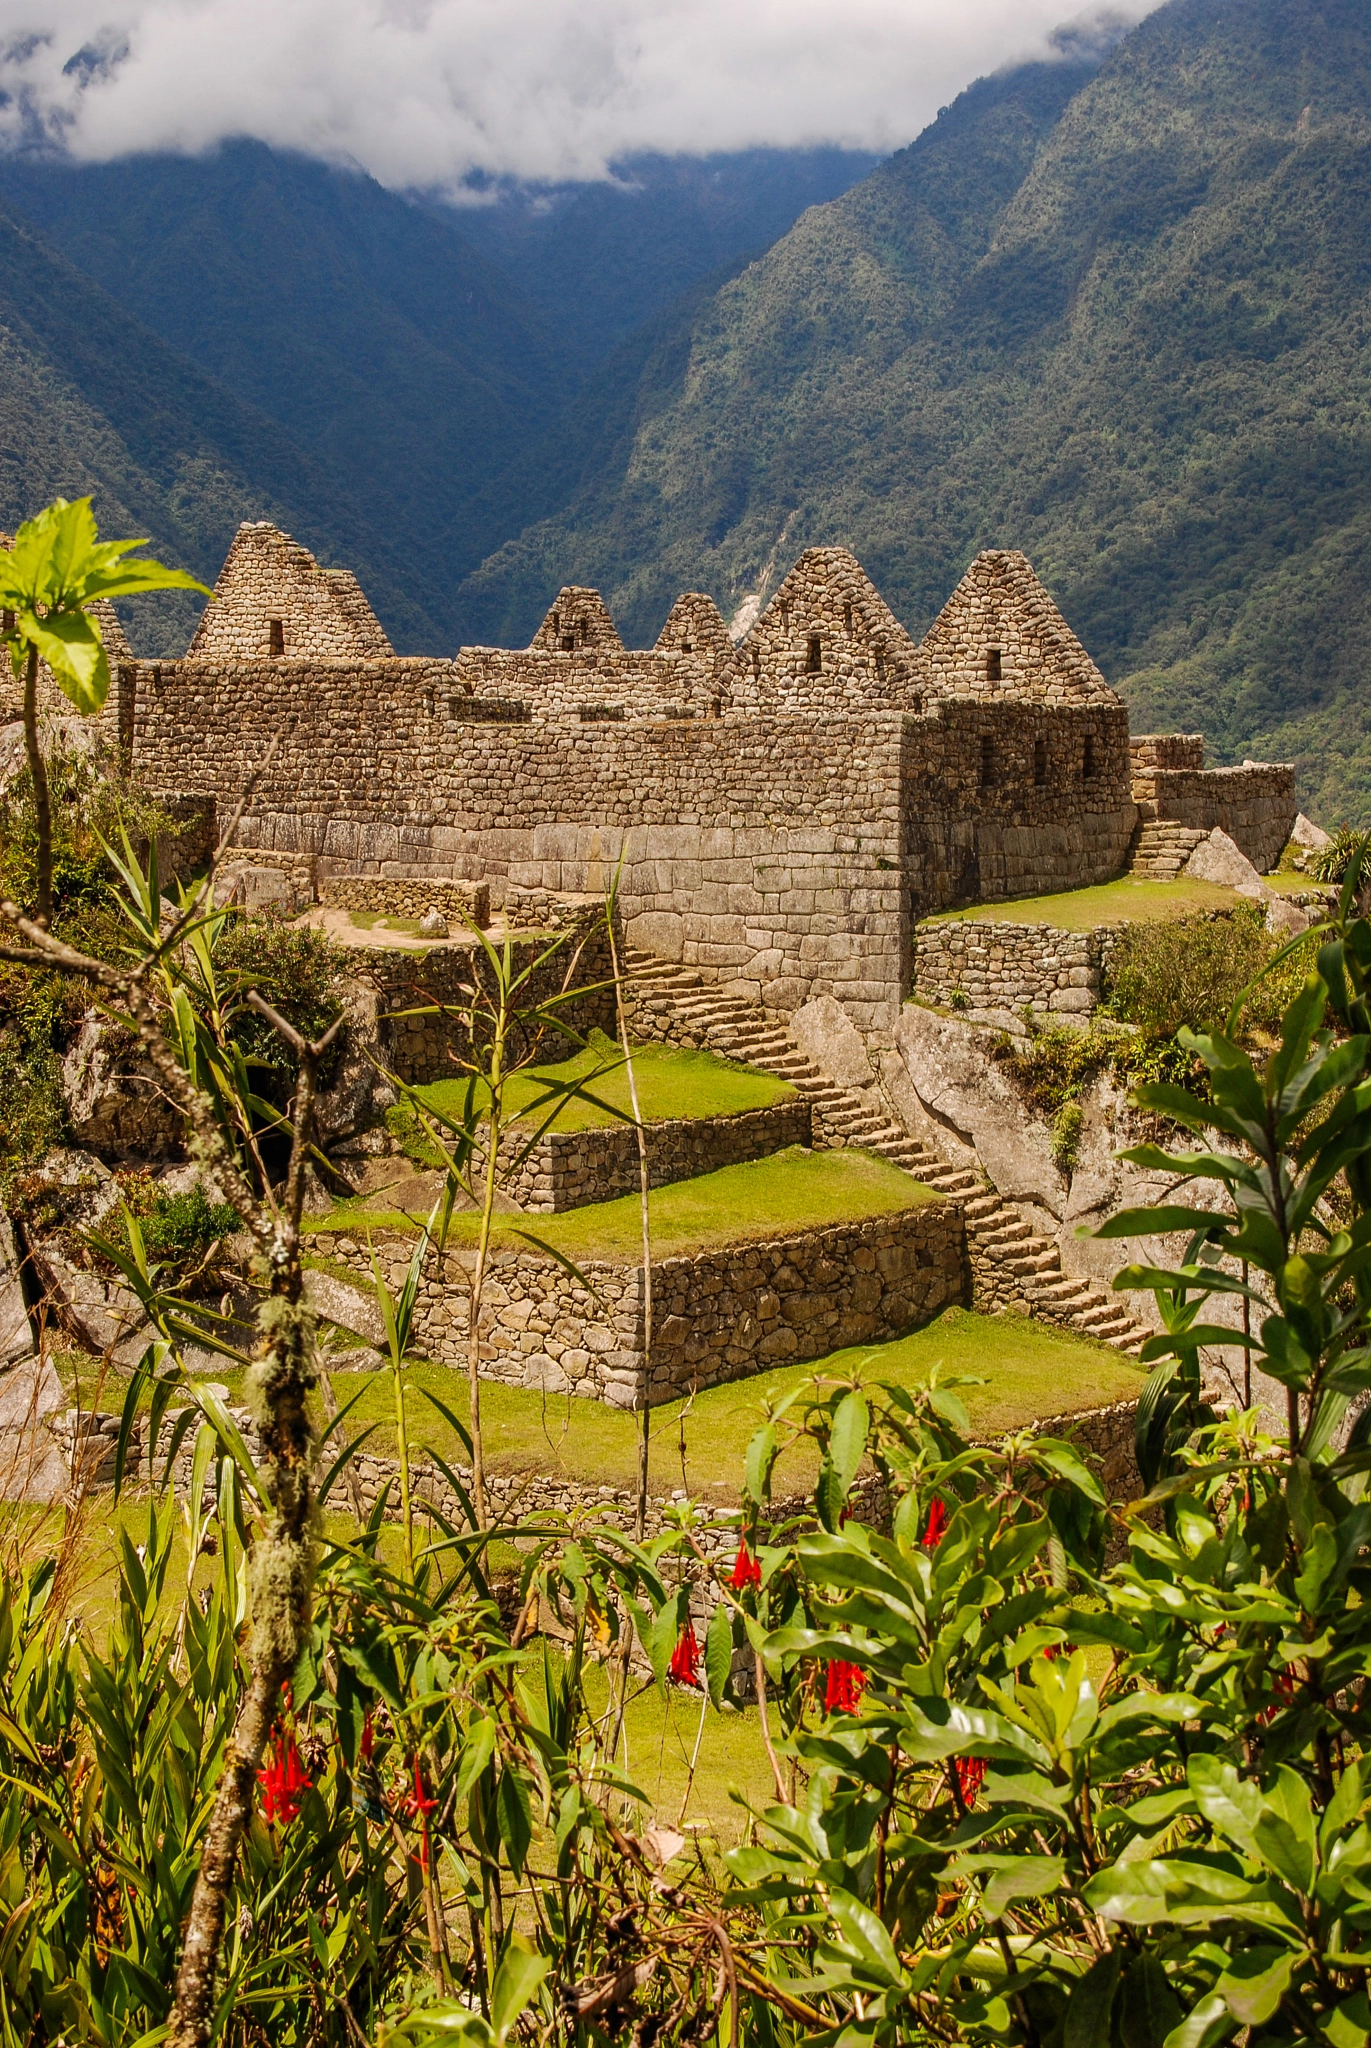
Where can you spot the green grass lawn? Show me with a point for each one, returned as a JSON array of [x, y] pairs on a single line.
[[773, 1197], [1079, 910], [671, 1083], [1029, 1370]]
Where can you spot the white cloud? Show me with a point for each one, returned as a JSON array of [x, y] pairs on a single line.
[[423, 92]]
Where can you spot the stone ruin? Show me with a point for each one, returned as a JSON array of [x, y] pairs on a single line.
[[782, 811]]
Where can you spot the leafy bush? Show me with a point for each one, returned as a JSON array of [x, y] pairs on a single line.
[[1057, 1063], [1067, 1126], [1330, 863], [299, 973], [1191, 971]]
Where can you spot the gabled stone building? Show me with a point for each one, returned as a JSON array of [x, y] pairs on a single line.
[[785, 808]]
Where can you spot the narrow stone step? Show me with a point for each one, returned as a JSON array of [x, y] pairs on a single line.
[[1058, 1292], [1024, 1263], [950, 1183], [987, 1206]]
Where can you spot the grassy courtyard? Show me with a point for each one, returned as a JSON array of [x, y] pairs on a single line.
[[672, 1082], [773, 1197], [1131, 898]]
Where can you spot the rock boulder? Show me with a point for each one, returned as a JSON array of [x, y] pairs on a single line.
[[1218, 859], [826, 1034], [115, 1102]]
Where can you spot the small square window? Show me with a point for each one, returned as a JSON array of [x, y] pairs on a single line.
[[276, 636], [992, 665]]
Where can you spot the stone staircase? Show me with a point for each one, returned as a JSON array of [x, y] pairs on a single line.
[[1013, 1266], [1161, 848]]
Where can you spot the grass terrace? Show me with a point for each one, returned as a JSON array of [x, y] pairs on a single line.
[[790, 1191], [1029, 1371], [672, 1083], [1130, 899]]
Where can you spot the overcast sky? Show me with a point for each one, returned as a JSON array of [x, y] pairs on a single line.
[[423, 92]]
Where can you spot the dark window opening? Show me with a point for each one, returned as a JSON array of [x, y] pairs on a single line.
[[880, 666], [756, 665], [1088, 759], [276, 636], [584, 631], [556, 622], [916, 704], [716, 706], [992, 665], [815, 663], [686, 647], [568, 643], [1040, 762], [987, 762], [785, 616], [847, 618]]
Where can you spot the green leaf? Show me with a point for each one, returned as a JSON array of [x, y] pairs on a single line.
[[513, 1818], [1092, 2002], [479, 1749], [1068, 1465], [718, 1652], [1026, 1877], [1148, 2008], [761, 1456], [1209, 2021], [520, 1973], [847, 1439], [1348, 2025], [1285, 1831], [866, 1934], [1254, 1982]]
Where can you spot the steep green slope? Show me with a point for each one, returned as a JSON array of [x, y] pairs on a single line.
[[602, 260], [368, 328], [92, 401], [1122, 327]]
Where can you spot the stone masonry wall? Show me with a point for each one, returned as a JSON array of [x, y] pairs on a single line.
[[1009, 966], [767, 856], [594, 683], [1255, 805], [420, 1048], [718, 1315], [395, 897], [1014, 799], [567, 1169], [1166, 750]]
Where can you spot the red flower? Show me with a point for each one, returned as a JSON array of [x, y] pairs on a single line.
[[685, 1658], [970, 1776], [1283, 1685], [419, 1806], [284, 1778], [937, 1525], [368, 1739], [844, 1688], [746, 1570]]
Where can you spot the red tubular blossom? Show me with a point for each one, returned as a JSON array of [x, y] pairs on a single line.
[[685, 1658], [970, 1776], [844, 1687], [284, 1779], [418, 1805], [746, 1570], [937, 1525], [368, 1738]]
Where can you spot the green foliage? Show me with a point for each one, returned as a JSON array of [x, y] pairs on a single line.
[[1191, 972], [300, 974], [1067, 1126], [1330, 863], [55, 568], [1057, 1063]]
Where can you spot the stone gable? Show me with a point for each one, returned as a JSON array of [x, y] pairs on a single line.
[[694, 626], [827, 638], [1000, 637], [578, 619], [273, 600]]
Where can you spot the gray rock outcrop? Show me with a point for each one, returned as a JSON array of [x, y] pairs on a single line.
[[115, 1103], [826, 1034], [1304, 832], [1218, 859], [16, 1332]]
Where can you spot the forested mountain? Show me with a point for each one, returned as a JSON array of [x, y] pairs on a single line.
[[1117, 319], [419, 354], [91, 400]]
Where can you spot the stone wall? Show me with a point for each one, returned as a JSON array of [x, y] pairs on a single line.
[[272, 599], [1149, 750], [768, 858], [395, 897], [718, 1315], [594, 683], [420, 1048], [568, 1169], [1013, 799], [1009, 966], [1255, 804]]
